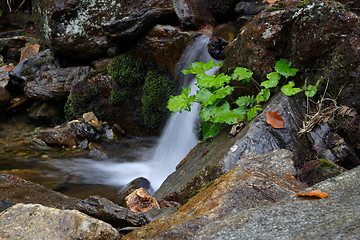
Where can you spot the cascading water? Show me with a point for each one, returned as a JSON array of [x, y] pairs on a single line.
[[179, 135]]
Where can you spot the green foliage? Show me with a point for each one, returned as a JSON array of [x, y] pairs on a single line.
[[214, 91], [1, 12]]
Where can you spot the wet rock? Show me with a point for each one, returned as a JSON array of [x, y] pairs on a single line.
[[107, 211], [18, 190], [4, 97], [46, 113], [290, 30], [5, 204], [193, 14], [4, 75], [34, 221], [207, 162], [164, 45], [32, 67], [216, 48], [234, 192], [139, 182], [140, 201], [136, 24], [223, 8], [38, 144], [250, 7], [64, 136], [318, 170], [98, 154], [101, 64], [79, 34], [55, 84], [332, 147], [154, 214]]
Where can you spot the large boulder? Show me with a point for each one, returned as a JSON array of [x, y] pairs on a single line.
[[74, 28], [34, 221], [206, 162], [250, 210], [303, 32], [235, 191]]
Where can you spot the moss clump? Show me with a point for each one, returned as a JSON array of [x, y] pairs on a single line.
[[326, 163], [277, 6], [127, 70], [68, 109], [157, 89]]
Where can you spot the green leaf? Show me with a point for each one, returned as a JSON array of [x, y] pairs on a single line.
[[310, 91], [207, 114], [1, 12], [242, 74], [245, 101], [273, 81], [289, 89], [213, 81], [182, 101], [206, 97], [285, 69], [200, 67], [251, 114], [210, 130], [263, 95], [223, 114]]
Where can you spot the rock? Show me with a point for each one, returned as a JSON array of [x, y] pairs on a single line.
[[319, 170], [4, 75], [64, 136], [234, 192], [164, 45], [154, 214], [4, 97], [216, 48], [80, 33], [279, 162], [107, 211], [55, 84], [140, 201], [38, 144], [46, 113], [34, 221], [18, 190], [331, 146], [207, 162], [136, 24], [250, 7], [32, 67], [193, 14], [290, 30], [222, 8], [101, 64], [90, 116], [5, 204], [139, 182]]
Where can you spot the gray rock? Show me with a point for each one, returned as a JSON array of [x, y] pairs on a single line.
[[4, 76], [34, 221], [250, 7], [5, 204], [207, 162], [335, 217], [55, 84], [154, 214], [103, 209], [33, 66], [193, 14], [46, 113], [278, 161]]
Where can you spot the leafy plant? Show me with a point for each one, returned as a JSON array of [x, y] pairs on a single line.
[[214, 90]]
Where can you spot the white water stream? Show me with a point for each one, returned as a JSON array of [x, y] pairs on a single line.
[[141, 158]]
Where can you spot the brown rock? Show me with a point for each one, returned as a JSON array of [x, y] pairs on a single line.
[[58, 136], [235, 191], [140, 201]]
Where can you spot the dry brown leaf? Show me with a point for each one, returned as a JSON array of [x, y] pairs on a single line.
[[272, 1], [314, 193], [9, 68], [274, 119], [29, 50], [289, 176]]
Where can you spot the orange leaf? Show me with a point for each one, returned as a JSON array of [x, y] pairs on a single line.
[[9, 68], [272, 1], [274, 119], [314, 193], [17, 179], [29, 50], [289, 176]]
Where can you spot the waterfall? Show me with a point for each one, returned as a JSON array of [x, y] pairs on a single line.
[[179, 135]]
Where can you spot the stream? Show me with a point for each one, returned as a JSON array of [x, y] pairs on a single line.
[[150, 157]]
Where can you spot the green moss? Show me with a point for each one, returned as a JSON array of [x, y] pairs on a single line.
[[118, 97], [195, 192], [68, 109], [126, 70], [303, 3], [326, 163], [157, 90], [277, 6]]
